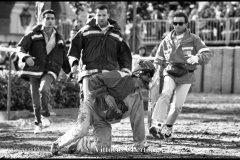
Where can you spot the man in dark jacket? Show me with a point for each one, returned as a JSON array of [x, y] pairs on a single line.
[[113, 96], [100, 47], [42, 54]]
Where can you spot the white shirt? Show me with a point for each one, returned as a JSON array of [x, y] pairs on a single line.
[[51, 42], [178, 38], [105, 29]]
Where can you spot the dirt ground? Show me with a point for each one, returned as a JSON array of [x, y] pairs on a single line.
[[208, 127]]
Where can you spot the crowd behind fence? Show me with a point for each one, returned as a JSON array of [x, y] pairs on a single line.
[[213, 31], [221, 32]]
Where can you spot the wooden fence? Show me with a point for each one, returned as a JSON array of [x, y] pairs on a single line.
[[221, 74]]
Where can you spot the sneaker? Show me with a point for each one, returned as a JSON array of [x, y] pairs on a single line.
[[55, 148], [167, 131], [155, 131], [45, 121], [38, 128], [73, 147]]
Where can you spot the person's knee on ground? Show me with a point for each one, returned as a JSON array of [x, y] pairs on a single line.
[[100, 142], [80, 129]]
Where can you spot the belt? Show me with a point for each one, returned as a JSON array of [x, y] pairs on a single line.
[[89, 72], [94, 71], [191, 71]]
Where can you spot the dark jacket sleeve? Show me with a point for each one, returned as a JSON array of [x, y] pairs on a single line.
[[125, 56], [76, 46], [66, 65], [23, 47]]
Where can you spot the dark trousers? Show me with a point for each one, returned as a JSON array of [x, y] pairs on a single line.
[[40, 93]]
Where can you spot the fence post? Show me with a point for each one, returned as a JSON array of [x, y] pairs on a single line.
[[197, 27], [134, 26], [9, 86], [227, 40]]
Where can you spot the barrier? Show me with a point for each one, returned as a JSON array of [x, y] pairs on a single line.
[[227, 68], [216, 79], [236, 70], [12, 50], [223, 31]]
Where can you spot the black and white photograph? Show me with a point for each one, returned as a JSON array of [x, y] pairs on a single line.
[[120, 79]]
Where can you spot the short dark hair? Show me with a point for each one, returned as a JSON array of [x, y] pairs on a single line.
[[101, 7], [180, 14], [49, 11]]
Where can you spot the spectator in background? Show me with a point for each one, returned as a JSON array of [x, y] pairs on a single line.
[[170, 17], [180, 8], [77, 24], [219, 13], [138, 29], [193, 16], [142, 51], [230, 12], [90, 16], [237, 11]]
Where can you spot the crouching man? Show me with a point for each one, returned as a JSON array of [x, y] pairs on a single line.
[[114, 95]]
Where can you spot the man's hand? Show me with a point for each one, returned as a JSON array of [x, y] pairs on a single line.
[[111, 103], [30, 61], [192, 59]]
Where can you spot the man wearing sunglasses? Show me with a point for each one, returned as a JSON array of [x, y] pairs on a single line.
[[176, 59], [113, 96]]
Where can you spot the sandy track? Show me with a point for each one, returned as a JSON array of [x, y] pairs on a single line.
[[208, 127]]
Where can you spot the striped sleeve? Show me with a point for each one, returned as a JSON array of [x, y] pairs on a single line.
[[74, 52], [23, 47], [159, 58], [203, 52]]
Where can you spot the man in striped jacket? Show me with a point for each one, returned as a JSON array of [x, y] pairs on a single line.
[[100, 47]]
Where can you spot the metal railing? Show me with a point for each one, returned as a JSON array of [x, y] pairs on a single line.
[[9, 51], [212, 31]]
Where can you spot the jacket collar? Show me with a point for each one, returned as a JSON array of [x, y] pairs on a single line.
[[186, 37], [111, 22], [39, 27]]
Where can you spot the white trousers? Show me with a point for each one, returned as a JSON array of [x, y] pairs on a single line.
[[160, 112]]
